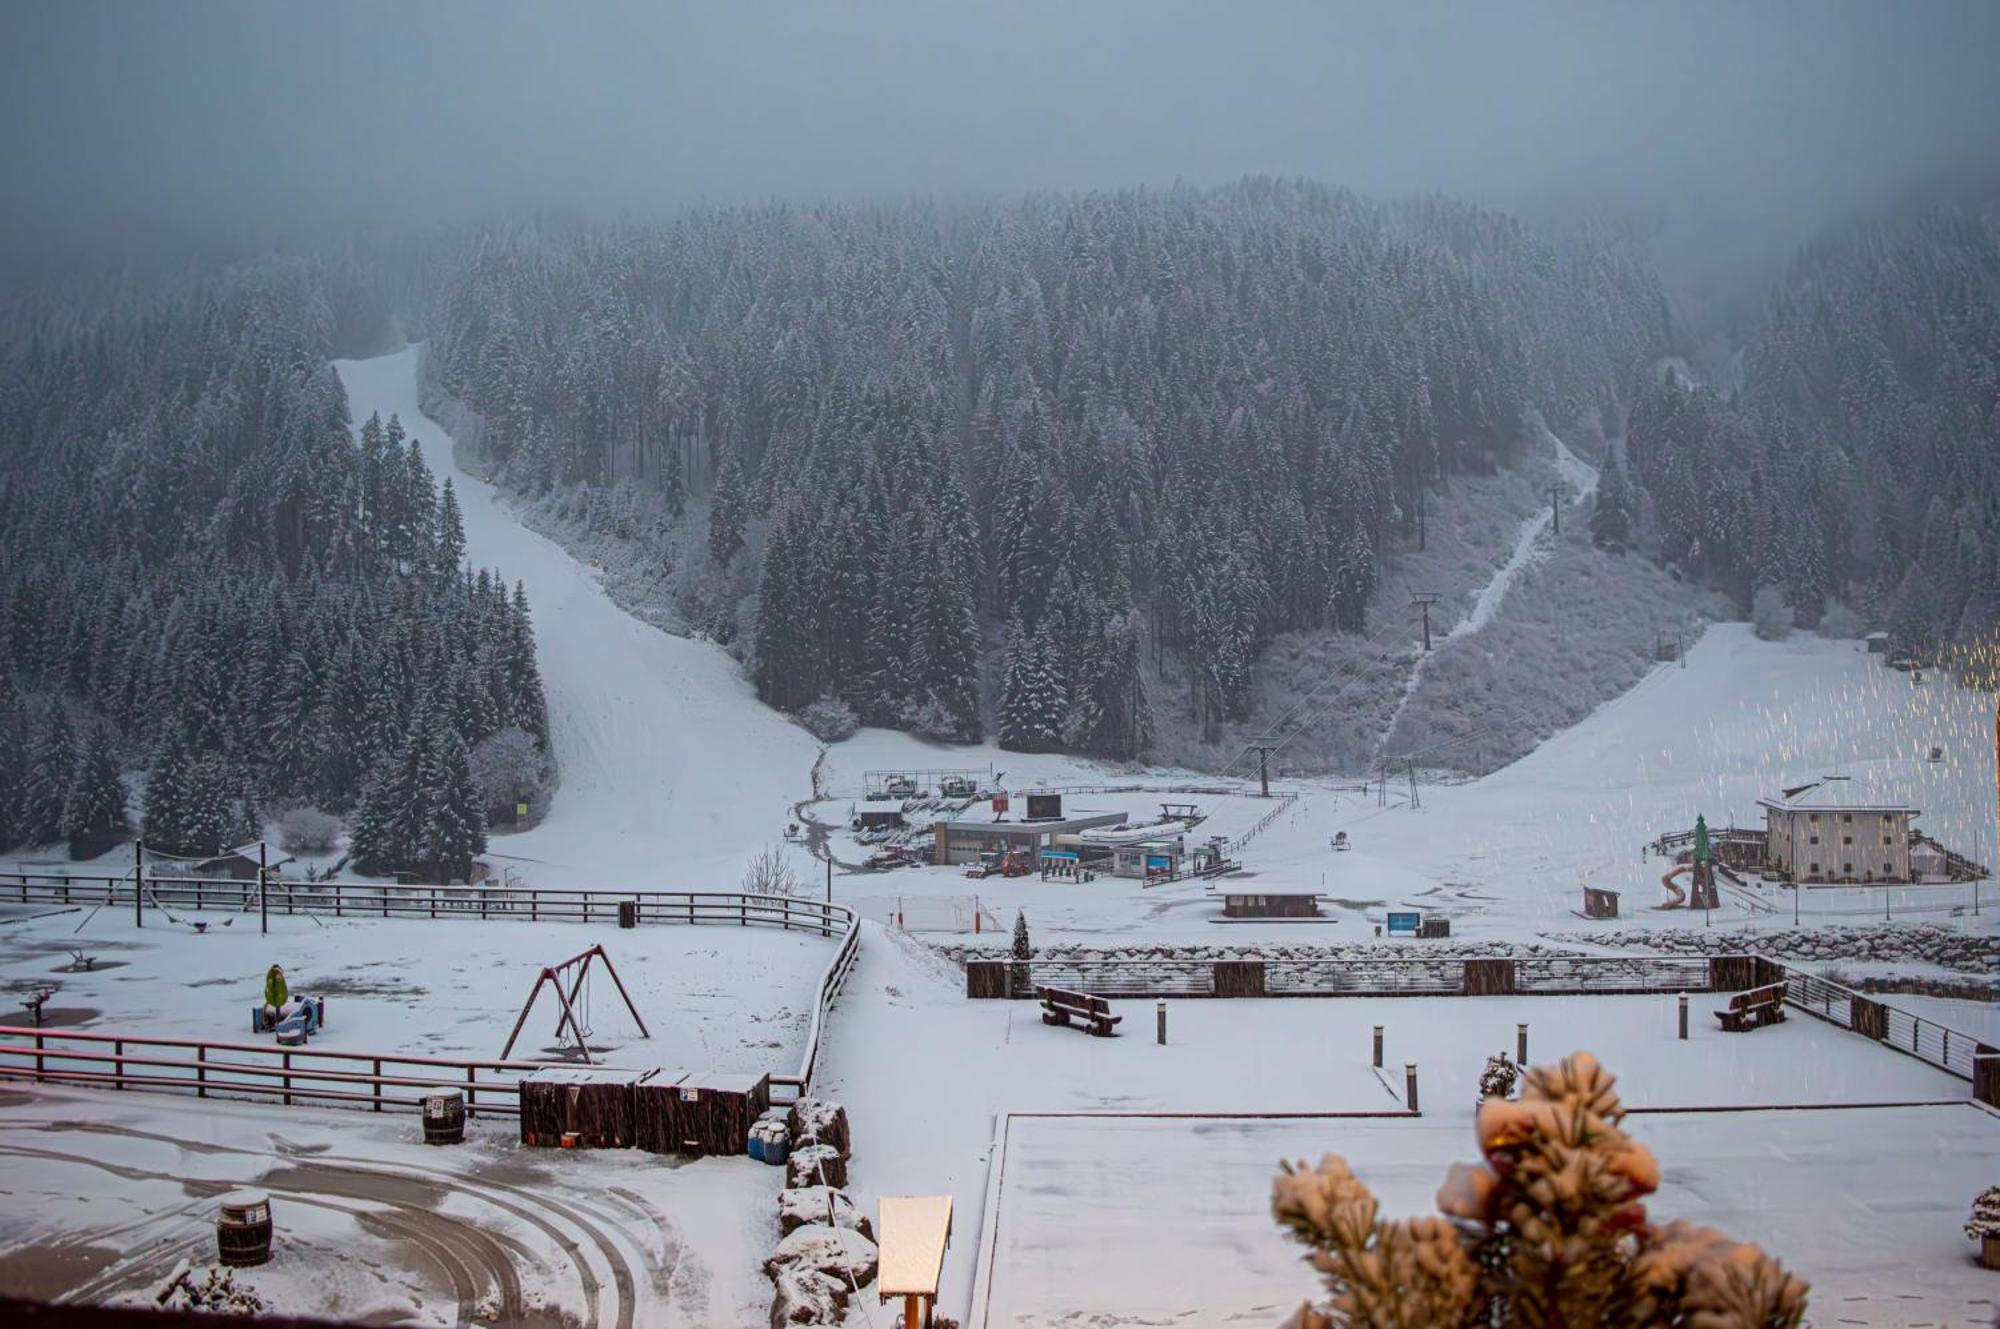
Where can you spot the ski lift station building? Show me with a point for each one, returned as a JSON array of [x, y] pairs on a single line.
[[964, 839], [1837, 830]]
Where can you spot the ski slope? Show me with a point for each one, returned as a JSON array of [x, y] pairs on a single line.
[[1581, 478], [672, 773]]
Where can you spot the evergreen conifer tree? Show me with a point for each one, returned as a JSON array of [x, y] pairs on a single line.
[[450, 534], [98, 815], [51, 769], [1611, 518], [726, 511], [1019, 978]]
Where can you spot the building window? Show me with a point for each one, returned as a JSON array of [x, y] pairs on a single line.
[[1848, 868], [1812, 839], [1847, 839], [1847, 816], [1888, 869], [1813, 817], [1887, 841]]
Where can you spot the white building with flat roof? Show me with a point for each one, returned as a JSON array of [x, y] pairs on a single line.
[[1838, 830]]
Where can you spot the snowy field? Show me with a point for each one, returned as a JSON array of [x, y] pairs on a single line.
[[713, 997], [1506, 856], [1126, 1221], [905, 1009], [101, 1194]]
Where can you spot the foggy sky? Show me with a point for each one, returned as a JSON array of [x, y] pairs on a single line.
[[255, 119]]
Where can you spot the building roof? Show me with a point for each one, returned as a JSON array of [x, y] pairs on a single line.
[[1836, 793], [1074, 822]]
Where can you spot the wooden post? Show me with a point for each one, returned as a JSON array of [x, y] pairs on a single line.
[[1378, 1047], [118, 1053], [200, 1070], [913, 1311], [138, 883], [471, 1088], [1684, 1017], [288, 1078], [1410, 1084], [1160, 1009], [263, 892], [378, 1084], [38, 1056], [1521, 1045]]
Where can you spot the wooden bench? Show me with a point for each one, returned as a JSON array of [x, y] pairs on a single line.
[[1754, 1009], [1059, 1004]]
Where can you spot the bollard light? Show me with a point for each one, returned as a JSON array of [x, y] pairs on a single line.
[[1684, 1017], [1521, 1044], [1378, 1047], [1410, 1084], [1160, 1009]]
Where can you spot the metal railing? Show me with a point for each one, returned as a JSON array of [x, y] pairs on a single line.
[[1951, 1050]]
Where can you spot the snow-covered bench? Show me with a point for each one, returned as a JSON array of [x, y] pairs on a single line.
[[1754, 1009], [1060, 1004]]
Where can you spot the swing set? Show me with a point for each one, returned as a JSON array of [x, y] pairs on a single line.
[[573, 972]]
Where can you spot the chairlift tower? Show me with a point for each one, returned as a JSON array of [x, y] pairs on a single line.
[[1263, 747], [1423, 600]]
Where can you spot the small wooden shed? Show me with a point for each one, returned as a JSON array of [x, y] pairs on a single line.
[[593, 1103], [1271, 904], [695, 1113], [1599, 903]]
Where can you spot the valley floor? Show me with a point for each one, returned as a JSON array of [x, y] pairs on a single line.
[[673, 775]]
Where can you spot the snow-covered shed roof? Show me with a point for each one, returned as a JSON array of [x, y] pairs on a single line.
[[1836, 793], [914, 1229]]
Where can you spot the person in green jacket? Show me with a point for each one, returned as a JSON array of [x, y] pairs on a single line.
[[275, 993]]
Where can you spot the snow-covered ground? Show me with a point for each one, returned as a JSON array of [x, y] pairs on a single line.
[[904, 1010], [712, 997], [1129, 1221], [672, 773], [101, 1194], [1506, 856]]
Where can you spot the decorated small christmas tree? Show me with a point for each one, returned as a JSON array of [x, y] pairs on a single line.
[[1550, 1232], [1984, 1226], [1499, 1077], [1018, 979]]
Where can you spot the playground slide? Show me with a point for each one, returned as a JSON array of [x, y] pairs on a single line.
[[1679, 897]]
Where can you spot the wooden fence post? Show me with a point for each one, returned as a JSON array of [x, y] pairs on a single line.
[[1239, 978], [118, 1054], [38, 1056], [201, 1070], [378, 1084], [288, 1078], [471, 1088]]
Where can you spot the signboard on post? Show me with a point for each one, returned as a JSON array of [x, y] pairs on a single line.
[[1405, 924], [999, 805], [1044, 807]]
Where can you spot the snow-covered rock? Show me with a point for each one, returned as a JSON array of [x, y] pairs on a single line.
[[807, 1205], [807, 1296], [820, 1121], [1919, 943], [842, 1253], [814, 1164]]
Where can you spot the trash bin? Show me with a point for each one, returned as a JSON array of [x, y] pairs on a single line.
[[444, 1115], [243, 1229]]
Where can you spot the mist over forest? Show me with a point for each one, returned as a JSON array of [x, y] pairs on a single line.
[[1028, 372]]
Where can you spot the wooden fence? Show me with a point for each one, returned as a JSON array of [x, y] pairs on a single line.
[[390, 1081]]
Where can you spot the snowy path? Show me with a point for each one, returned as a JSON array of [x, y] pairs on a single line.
[[672, 772], [1581, 477]]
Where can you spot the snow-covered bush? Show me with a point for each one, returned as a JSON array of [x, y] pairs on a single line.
[[1770, 616], [308, 831], [509, 770], [1839, 623], [830, 720], [1551, 1231], [1499, 1077], [770, 872], [1985, 1220], [211, 1290]]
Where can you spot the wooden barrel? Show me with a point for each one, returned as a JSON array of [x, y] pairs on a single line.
[[444, 1115], [628, 913], [243, 1229]]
